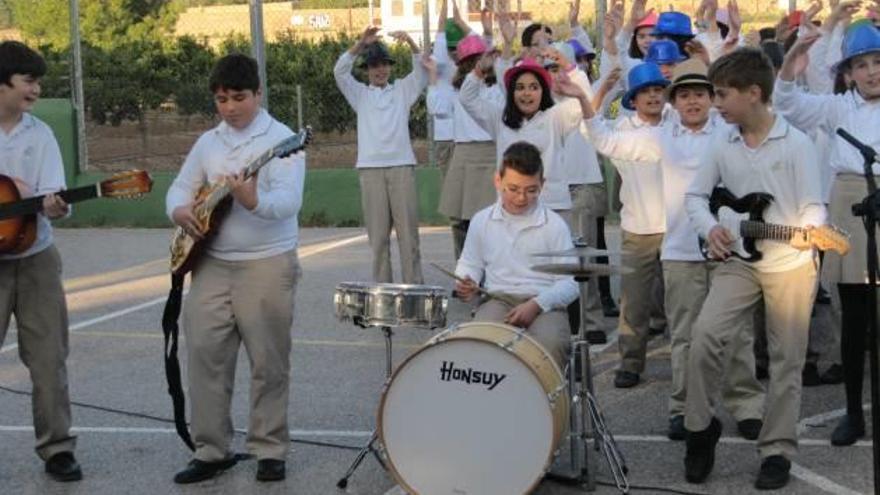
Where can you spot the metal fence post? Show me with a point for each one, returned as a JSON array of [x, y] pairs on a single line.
[[258, 46], [76, 85], [299, 107]]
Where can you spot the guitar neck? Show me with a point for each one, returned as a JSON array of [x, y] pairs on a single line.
[[771, 231], [34, 204], [221, 192]]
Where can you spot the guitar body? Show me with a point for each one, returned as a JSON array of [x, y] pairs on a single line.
[[186, 251], [19, 233], [730, 211]]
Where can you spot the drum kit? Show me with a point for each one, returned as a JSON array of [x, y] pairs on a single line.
[[481, 408]]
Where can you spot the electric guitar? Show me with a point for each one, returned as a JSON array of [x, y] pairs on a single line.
[[18, 217], [743, 217], [213, 202]]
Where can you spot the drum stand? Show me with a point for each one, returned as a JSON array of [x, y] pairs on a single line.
[[370, 447], [584, 404]]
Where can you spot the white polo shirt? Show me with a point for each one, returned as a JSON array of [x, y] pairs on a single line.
[[30, 153]]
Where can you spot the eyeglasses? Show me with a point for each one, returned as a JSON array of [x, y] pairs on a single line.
[[529, 192]]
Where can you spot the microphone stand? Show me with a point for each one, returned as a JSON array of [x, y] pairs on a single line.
[[869, 210]]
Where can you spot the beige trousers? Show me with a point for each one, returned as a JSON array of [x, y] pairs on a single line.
[[30, 289], [736, 289], [687, 284], [550, 329], [389, 199], [641, 293], [589, 201], [230, 303]]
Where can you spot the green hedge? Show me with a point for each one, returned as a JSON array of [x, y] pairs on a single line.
[[124, 82]]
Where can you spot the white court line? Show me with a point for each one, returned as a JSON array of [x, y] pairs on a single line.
[[304, 252], [135, 430]]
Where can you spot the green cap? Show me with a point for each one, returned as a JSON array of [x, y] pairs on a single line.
[[454, 34]]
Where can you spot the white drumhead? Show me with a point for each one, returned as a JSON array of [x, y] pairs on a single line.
[[446, 436]]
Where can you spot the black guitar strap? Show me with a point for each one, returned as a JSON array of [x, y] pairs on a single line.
[[172, 366]]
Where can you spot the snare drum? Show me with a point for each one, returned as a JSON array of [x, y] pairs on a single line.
[[480, 409], [391, 305]]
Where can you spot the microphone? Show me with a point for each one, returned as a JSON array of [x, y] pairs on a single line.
[[868, 152]]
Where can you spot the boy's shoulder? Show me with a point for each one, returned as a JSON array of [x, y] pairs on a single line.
[[36, 125]]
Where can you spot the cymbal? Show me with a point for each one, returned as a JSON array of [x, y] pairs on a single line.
[[580, 269], [579, 252]]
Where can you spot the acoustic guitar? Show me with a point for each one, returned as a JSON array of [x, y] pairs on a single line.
[[213, 202], [743, 217], [18, 217]]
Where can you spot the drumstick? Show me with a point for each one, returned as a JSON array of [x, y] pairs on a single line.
[[491, 295]]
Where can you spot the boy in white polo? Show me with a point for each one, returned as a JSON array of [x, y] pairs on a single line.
[[386, 162]]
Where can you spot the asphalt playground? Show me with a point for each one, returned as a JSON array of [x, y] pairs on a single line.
[[116, 282]]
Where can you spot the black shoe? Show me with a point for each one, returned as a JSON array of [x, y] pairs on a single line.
[[63, 467], [822, 296], [609, 309], [676, 428], [198, 470], [271, 470], [810, 375], [750, 428], [625, 379], [596, 337], [833, 375], [774, 473], [699, 458], [848, 431]]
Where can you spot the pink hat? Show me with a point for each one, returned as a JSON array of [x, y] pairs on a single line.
[[648, 20], [470, 46], [526, 64]]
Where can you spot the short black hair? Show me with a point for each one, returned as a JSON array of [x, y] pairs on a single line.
[[237, 72], [767, 33], [523, 157], [529, 32], [512, 117], [743, 68], [775, 52], [18, 58]]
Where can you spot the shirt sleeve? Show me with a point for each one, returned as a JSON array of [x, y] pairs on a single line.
[[350, 87], [713, 43], [415, 82], [280, 187], [807, 184], [805, 111], [580, 34], [188, 182], [51, 179], [472, 262], [439, 101], [818, 73], [639, 145], [696, 199], [486, 113], [564, 289]]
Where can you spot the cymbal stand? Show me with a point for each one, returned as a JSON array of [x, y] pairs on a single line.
[[370, 447]]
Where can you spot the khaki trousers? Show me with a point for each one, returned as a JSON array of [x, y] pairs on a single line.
[[641, 291], [687, 284], [588, 202], [736, 289], [550, 329], [389, 198], [30, 289], [230, 303]]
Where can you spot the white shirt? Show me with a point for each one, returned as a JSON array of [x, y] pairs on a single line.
[[500, 246], [546, 130], [827, 113], [641, 186], [30, 153], [784, 165], [679, 151], [382, 113], [269, 229], [442, 95]]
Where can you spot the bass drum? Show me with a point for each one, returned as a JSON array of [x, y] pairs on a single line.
[[480, 409]]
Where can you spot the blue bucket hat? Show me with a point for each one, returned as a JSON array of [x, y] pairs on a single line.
[[663, 52], [859, 41], [673, 23], [640, 77]]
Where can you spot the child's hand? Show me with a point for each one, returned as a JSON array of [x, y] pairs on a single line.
[[54, 207], [244, 190], [523, 315], [369, 36], [465, 290], [185, 217], [719, 242], [566, 87], [797, 58]]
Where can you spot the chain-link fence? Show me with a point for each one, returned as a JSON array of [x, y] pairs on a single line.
[[146, 64]]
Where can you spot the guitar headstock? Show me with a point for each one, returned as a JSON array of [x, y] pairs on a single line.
[[830, 238], [128, 184], [294, 143]]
